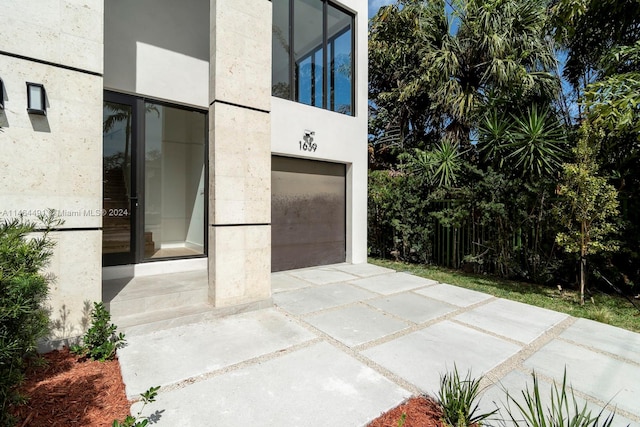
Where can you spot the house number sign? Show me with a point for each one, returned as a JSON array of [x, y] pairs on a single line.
[[307, 143]]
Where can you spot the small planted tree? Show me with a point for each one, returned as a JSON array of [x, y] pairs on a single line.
[[587, 206]]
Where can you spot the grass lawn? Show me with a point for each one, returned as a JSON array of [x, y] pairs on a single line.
[[612, 309]]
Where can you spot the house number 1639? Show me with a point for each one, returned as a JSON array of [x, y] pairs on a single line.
[[307, 143]]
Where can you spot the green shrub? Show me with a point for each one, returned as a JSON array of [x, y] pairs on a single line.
[[398, 224], [458, 400], [564, 410], [100, 342], [23, 290], [139, 421]]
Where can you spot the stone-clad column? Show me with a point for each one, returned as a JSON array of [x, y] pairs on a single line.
[[240, 152]]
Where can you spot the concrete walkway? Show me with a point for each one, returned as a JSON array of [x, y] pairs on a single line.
[[345, 343]]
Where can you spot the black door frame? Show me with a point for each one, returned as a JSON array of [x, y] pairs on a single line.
[[137, 198], [136, 180]]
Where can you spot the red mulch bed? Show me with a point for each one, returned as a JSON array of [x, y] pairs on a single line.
[[420, 412], [69, 391]]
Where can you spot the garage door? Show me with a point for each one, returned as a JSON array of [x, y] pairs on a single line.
[[308, 208]]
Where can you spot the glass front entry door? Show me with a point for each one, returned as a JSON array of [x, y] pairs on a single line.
[[119, 192], [153, 181]]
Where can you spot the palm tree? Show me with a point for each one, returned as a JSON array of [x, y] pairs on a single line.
[[495, 53], [398, 89], [436, 67]]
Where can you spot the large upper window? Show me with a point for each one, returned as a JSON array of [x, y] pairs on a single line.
[[313, 54]]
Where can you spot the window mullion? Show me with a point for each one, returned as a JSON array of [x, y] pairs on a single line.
[[292, 60], [325, 30]]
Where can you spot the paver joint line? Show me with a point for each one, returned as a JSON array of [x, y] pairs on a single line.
[[356, 354], [517, 360], [237, 366], [600, 351]]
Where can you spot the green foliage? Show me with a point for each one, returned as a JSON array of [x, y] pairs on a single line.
[[432, 77], [439, 166], [589, 29], [397, 202], [613, 103], [458, 400], [431, 81], [603, 66], [147, 397], [497, 56], [470, 122], [402, 419], [397, 36], [531, 144], [24, 252], [101, 341], [563, 411], [586, 207], [492, 221]]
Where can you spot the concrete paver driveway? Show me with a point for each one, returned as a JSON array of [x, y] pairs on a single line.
[[344, 343]]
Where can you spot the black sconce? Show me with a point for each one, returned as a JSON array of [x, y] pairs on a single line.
[[1, 95], [36, 99]]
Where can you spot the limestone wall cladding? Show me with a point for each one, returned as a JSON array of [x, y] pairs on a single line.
[[240, 166], [65, 32], [52, 161], [55, 161], [240, 152], [241, 40], [240, 262], [76, 283], [339, 138]]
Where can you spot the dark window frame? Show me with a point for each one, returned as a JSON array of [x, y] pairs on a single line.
[[328, 71]]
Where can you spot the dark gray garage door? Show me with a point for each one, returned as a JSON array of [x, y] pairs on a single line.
[[308, 208]]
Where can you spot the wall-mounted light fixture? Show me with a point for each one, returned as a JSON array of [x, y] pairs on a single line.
[[36, 99], [1, 95]]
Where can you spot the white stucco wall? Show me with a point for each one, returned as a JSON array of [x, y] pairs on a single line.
[[340, 138], [158, 48]]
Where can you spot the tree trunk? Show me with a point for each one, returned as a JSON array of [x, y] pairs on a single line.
[[583, 273], [583, 262]]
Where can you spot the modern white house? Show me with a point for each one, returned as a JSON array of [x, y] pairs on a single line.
[[224, 136]]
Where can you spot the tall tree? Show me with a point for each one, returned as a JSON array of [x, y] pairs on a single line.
[[589, 29], [602, 40], [434, 69], [587, 205], [498, 56], [401, 96]]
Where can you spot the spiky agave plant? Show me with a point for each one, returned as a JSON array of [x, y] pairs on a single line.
[[459, 400], [563, 409]]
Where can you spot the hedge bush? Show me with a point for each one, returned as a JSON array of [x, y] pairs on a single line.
[[25, 249]]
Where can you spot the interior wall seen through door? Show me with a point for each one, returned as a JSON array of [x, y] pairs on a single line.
[[174, 182]]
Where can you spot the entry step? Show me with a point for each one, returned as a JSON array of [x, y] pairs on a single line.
[[134, 296], [158, 320]]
